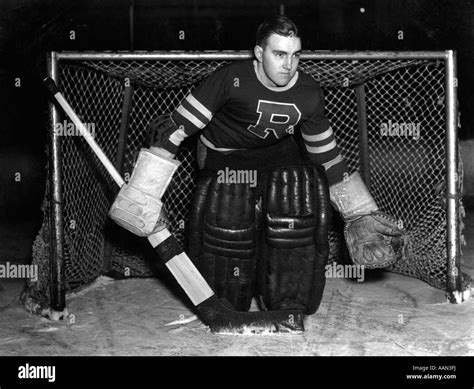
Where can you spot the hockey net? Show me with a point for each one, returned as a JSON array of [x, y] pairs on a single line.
[[406, 141]]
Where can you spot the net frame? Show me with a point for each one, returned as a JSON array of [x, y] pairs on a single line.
[[454, 281]]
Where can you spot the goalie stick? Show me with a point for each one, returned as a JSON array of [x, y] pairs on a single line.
[[212, 310]]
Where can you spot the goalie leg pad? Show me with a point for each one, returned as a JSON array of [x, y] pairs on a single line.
[[223, 241], [295, 248]]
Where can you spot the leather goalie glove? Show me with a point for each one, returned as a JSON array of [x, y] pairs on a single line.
[[374, 239], [138, 207]]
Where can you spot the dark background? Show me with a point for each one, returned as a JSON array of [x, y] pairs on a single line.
[[28, 29]]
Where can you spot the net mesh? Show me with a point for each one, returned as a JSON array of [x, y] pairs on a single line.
[[405, 107]]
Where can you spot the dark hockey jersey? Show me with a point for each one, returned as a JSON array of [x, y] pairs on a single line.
[[236, 111]]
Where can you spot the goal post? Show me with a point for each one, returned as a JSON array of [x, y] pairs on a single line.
[[394, 115]]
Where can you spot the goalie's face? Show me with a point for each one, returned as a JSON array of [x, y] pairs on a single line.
[[278, 59]]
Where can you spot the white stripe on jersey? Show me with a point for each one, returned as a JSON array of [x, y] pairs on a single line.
[[201, 108], [332, 162], [189, 116], [321, 149], [211, 145], [318, 137]]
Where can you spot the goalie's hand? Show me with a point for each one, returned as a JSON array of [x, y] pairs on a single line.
[[375, 240], [138, 205], [138, 212]]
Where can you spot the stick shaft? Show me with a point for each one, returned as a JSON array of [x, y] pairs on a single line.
[[89, 139], [184, 271]]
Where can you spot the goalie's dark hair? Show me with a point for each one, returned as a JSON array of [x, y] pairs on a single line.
[[277, 24]]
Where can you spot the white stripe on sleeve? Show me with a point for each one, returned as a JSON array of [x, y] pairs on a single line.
[[332, 162], [201, 108], [318, 137], [189, 116], [321, 149]]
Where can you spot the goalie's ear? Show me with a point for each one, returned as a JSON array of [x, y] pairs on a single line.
[[258, 51]]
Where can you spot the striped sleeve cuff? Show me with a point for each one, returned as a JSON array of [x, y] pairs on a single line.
[[336, 168], [192, 114]]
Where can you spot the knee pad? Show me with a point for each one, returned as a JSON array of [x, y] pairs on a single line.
[[223, 239], [294, 245]]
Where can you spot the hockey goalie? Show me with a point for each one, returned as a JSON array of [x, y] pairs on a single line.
[[259, 218]]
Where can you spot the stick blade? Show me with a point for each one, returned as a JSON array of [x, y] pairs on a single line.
[[223, 320]]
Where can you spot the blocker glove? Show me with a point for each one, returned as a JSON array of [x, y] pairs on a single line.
[[374, 239], [138, 207]]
